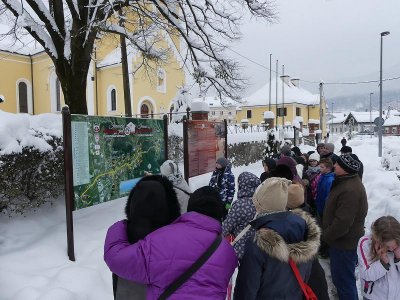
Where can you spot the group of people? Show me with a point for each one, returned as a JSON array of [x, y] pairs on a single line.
[[303, 206]]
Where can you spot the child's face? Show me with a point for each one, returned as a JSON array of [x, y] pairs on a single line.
[[313, 163], [324, 169], [390, 245]]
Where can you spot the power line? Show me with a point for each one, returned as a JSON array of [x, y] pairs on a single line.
[[316, 82]]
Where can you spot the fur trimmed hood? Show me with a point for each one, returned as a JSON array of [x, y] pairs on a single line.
[[273, 244]]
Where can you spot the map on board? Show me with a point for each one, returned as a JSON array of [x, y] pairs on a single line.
[[110, 154]]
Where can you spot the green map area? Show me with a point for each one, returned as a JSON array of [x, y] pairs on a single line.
[[110, 154]]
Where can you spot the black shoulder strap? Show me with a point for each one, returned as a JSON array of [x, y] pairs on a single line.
[[176, 284], [186, 192]]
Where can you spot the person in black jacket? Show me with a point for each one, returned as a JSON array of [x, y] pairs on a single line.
[[264, 272]]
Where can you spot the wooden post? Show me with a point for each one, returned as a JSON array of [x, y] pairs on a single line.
[[165, 122], [69, 193], [226, 137], [185, 149]]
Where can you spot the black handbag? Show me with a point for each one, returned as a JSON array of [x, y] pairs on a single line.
[[176, 284]]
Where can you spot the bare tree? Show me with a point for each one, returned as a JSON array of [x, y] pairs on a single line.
[[67, 30]]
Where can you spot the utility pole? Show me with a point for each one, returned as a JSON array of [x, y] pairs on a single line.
[[321, 92], [370, 114], [283, 95], [270, 74], [276, 96], [125, 72]]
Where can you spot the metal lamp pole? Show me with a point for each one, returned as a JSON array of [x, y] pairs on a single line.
[[380, 100], [370, 114], [332, 119]]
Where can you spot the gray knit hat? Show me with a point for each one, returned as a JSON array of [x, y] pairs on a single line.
[[222, 161]]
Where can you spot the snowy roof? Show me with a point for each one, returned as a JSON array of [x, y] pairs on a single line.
[[338, 118], [392, 121], [26, 45], [365, 116], [112, 58], [313, 121], [293, 94], [215, 101]]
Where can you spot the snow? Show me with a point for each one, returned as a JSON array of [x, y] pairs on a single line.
[[293, 94], [20, 130], [269, 115], [198, 106], [392, 121], [33, 252]]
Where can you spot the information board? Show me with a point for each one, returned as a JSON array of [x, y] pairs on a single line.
[[110, 154], [206, 143]]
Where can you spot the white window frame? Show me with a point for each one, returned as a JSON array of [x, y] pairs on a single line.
[[162, 88], [29, 94], [53, 90], [109, 106]]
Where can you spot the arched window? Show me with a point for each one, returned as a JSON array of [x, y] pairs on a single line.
[[171, 110], [58, 95], [112, 99], [23, 97], [144, 111], [55, 93]]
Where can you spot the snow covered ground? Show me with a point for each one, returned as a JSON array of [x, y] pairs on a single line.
[[33, 249]]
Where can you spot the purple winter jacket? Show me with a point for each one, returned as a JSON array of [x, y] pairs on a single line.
[[166, 253]]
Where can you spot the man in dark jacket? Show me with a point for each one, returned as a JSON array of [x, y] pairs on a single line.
[[280, 235], [343, 224]]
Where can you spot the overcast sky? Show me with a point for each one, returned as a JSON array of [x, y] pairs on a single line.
[[329, 40]]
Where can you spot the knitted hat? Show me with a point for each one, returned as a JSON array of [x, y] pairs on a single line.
[[285, 150], [271, 195], [348, 163], [295, 196], [222, 161], [152, 203], [296, 150], [207, 201], [282, 171], [170, 169], [330, 147], [346, 149], [314, 156], [270, 162]]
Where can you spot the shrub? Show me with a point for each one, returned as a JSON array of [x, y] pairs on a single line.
[[31, 178]]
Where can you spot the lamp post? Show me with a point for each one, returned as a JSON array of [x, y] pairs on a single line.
[[370, 114], [332, 118], [380, 100]]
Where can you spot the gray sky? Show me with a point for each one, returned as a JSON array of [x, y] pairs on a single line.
[[329, 40]]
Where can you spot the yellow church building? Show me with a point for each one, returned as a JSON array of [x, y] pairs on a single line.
[[29, 84], [293, 104]]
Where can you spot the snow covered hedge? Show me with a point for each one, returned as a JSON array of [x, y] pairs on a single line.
[[31, 161]]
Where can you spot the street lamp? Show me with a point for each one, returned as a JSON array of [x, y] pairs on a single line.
[[370, 114], [332, 118], [380, 100]]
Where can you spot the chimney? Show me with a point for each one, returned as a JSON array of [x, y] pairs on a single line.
[[285, 79], [295, 82]]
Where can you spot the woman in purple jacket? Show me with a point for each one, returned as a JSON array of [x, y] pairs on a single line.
[[165, 254]]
